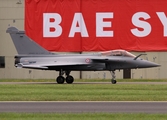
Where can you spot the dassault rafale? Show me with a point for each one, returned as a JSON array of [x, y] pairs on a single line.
[[33, 56]]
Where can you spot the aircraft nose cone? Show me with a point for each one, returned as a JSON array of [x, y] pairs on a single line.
[[150, 64], [155, 65]]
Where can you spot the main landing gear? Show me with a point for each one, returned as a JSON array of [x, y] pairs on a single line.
[[113, 80], [60, 79]]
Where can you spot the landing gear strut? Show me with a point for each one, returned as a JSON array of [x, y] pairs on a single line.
[[60, 79], [113, 80]]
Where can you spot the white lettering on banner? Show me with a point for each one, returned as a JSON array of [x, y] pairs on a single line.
[[141, 24], [78, 18], [52, 28], [163, 19], [100, 24], [47, 25]]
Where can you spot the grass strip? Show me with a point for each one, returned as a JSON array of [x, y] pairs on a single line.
[[83, 92], [81, 116]]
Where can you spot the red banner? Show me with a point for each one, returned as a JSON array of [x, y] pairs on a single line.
[[97, 25]]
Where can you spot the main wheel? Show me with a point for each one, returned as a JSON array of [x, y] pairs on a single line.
[[113, 81], [69, 79], [60, 79]]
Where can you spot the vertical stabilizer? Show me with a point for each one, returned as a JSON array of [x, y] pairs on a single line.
[[23, 44]]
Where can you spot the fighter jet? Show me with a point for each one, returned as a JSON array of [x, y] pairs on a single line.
[[33, 56]]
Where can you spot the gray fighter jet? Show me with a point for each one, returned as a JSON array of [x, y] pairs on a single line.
[[33, 56]]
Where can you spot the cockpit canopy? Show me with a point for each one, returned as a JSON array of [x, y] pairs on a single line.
[[117, 53]]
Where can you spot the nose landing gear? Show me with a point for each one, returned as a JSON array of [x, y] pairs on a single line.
[[113, 80]]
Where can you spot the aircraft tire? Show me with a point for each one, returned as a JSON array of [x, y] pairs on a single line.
[[113, 81], [60, 79], [69, 79]]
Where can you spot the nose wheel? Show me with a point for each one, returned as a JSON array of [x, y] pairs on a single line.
[[113, 80], [60, 79]]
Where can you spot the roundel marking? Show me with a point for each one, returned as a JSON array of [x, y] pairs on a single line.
[[87, 60]]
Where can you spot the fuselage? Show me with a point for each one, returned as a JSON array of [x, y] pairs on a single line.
[[84, 62], [32, 56]]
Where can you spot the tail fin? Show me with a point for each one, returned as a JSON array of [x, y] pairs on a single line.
[[23, 44]]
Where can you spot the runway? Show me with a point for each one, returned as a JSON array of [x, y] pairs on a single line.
[[84, 107], [84, 83]]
